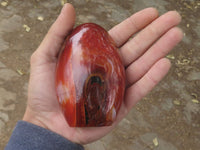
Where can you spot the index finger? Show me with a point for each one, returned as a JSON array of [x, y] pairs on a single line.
[[123, 31]]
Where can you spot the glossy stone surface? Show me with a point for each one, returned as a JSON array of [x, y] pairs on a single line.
[[90, 77]]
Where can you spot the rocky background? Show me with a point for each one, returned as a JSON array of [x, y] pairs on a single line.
[[167, 119]]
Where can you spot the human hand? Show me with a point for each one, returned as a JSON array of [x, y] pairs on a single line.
[[143, 58]]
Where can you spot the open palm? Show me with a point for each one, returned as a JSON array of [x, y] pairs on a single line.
[[143, 58]]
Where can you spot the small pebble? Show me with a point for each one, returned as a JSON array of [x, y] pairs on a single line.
[[195, 101], [170, 56], [19, 71], [40, 18], [4, 3], [155, 142], [177, 102], [27, 28], [63, 2]]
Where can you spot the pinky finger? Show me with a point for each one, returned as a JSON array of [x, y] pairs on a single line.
[[142, 87]]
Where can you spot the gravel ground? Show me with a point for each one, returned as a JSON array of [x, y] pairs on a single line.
[[167, 119]]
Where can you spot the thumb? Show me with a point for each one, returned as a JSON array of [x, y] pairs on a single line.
[[55, 37]]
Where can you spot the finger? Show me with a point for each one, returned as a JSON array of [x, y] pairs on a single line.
[[140, 43], [163, 46], [58, 31], [123, 31], [141, 88]]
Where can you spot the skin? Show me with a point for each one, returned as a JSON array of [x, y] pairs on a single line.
[[143, 57]]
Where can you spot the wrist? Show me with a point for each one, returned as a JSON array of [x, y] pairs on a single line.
[[39, 119], [55, 122], [27, 135], [34, 119]]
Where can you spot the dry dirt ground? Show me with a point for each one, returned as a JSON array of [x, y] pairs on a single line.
[[167, 119]]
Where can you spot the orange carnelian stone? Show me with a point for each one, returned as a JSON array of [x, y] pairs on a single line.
[[90, 77]]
